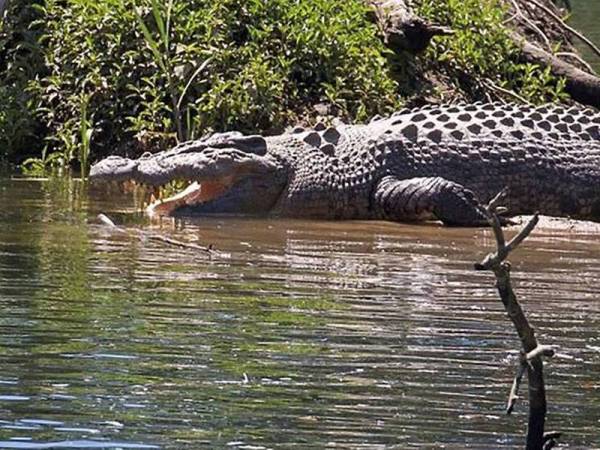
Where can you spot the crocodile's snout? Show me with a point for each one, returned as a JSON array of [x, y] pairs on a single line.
[[211, 167], [114, 168]]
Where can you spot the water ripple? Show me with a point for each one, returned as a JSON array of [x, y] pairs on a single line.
[[307, 335]]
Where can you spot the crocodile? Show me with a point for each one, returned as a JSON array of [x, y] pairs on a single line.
[[430, 163]]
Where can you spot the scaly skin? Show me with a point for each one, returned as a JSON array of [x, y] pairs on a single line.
[[430, 163]]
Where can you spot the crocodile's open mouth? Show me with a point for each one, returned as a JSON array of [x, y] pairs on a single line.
[[195, 194], [241, 189], [224, 173]]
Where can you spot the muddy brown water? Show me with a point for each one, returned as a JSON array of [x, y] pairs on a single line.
[[300, 334]]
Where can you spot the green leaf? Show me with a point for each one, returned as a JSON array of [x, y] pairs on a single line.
[[150, 41]]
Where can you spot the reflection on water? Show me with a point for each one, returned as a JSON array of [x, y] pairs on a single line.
[[302, 334], [586, 17]]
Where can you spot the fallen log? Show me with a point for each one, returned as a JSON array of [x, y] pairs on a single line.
[[402, 30], [583, 87]]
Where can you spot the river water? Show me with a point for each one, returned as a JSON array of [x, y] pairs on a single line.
[[586, 18], [296, 334]]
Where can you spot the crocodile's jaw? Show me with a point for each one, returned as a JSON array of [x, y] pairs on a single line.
[[252, 195], [194, 194], [226, 173]]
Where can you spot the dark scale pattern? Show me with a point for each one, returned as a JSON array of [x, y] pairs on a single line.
[[482, 148], [433, 161], [499, 120]]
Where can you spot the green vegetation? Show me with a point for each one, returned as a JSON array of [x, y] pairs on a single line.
[[20, 62], [82, 79], [147, 73], [481, 56]]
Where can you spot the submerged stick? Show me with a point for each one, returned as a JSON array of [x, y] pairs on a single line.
[[531, 355], [177, 243], [105, 220]]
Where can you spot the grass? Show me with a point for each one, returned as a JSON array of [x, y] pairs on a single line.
[[82, 79]]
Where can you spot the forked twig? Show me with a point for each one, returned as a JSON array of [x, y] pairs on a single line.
[[531, 355], [529, 22], [493, 86], [576, 57]]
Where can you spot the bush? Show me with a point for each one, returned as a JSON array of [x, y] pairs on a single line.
[[82, 78], [150, 70], [481, 56], [20, 61]]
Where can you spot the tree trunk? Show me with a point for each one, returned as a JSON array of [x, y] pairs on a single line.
[[402, 30]]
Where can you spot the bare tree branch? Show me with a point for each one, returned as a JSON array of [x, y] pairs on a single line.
[[402, 30], [530, 361], [571, 30]]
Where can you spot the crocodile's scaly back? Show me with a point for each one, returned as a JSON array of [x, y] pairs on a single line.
[[548, 156], [497, 120], [433, 162]]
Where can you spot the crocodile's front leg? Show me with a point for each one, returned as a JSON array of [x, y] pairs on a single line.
[[417, 199]]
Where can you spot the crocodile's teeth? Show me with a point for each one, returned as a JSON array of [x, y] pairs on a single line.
[[189, 196]]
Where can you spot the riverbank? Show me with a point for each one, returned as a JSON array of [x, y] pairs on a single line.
[[81, 80]]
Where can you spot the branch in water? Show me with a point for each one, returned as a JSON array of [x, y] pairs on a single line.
[[531, 355], [105, 220]]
